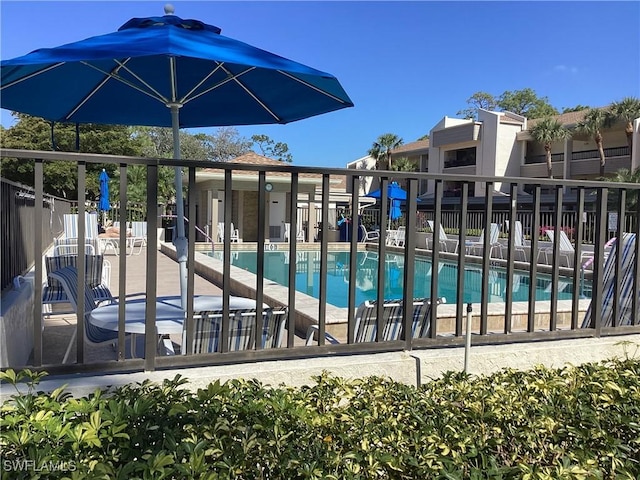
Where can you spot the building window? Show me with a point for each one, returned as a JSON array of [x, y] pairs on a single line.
[[460, 158]]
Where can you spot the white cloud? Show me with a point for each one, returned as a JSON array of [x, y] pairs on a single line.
[[565, 68]]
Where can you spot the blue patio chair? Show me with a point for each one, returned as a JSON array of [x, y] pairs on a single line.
[[626, 315], [68, 278], [242, 327], [97, 273], [366, 324]]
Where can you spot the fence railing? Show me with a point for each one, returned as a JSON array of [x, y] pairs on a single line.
[[582, 155], [481, 269], [17, 215]]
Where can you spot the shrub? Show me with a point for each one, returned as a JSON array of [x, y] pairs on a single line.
[[576, 422]]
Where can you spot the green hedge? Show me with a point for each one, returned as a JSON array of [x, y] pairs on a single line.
[[576, 422]]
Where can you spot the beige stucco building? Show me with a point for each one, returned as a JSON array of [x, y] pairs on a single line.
[[499, 144]]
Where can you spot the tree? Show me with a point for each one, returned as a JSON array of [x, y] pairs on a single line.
[[423, 137], [626, 111], [577, 108], [60, 178], [527, 103], [625, 175], [522, 102], [403, 164], [547, 131], [269, 148], [482, 100], [227, 144], [592, 124], [137, 184], [382, 147]]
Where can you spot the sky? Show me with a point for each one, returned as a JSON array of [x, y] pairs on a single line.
[[405, 65]]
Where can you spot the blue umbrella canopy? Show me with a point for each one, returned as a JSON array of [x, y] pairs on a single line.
[[166, 71], [394, 192], [104, 204], [131, 76]]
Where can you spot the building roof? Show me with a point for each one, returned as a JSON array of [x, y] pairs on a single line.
[[411, 147], [569, 118], [252, 158]]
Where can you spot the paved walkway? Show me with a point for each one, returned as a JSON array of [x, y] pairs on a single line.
[[167, 278]]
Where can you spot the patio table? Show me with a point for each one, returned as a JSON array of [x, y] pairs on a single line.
[[169, 315]]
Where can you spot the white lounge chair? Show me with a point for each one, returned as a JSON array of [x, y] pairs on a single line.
[[494, 234], [287, 233], [70, 224], [518, 240], [369, 236], [235, 233], [138, 237], [443, 240], [397, 239], [70, 237], [567, 250]]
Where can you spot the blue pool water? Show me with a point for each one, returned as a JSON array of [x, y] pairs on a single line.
[[276, 268]]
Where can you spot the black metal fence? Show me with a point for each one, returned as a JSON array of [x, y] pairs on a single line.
[[490, 327], [17, 214]]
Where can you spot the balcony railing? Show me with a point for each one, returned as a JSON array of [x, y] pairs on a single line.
[[582, 155], [445, 320]]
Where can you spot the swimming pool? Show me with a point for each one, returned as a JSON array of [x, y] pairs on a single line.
[[276, 268]]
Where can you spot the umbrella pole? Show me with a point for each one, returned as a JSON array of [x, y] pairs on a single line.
[[180, 242]]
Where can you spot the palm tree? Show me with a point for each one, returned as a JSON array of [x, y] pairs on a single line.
[[626, 110], [592, 124], [625, 175], [403, 164], [547, 131], [382, 147]]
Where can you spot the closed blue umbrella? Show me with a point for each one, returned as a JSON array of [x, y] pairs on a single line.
[[166, 71], [104, 205]]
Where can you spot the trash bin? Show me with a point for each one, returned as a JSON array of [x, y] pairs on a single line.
[[345, 230]]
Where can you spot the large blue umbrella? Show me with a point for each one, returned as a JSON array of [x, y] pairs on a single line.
[[394, 192], [166, 71]]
